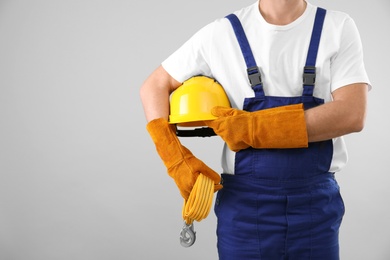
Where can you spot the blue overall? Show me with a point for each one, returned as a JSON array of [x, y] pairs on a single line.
[[280, 203]]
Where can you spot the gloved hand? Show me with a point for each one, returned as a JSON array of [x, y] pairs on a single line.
[[181, 164], [280, 127]]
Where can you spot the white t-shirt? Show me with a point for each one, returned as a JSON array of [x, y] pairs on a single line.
[[280, 52]]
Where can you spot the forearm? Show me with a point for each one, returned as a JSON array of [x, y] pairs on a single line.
[[155, 93], [345, 115]]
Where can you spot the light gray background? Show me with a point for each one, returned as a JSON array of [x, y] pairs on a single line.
[[79, 175]]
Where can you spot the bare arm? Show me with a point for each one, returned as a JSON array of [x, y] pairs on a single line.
[[344, 115], [155, 93]]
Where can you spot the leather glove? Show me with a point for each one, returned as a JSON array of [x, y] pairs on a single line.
[[280, 127], [181, 164]]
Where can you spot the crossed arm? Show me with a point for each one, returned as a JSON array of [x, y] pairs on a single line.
[[344, 115]]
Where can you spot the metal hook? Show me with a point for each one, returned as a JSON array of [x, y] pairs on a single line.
[[187, 235]]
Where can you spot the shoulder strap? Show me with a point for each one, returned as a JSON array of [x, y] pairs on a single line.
[[253, 71], [254, 74], [309, 72]]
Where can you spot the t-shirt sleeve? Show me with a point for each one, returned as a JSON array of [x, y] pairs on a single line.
[[191, 59], [347, 66]]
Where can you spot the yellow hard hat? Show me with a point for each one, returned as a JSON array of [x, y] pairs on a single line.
[[191, 103]]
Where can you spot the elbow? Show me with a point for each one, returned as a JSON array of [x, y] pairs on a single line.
[[147, 91], [358, 128], [143, 92], [358, 123], [357, 119]]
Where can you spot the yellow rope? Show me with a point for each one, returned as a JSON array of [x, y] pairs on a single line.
[[200, 200]]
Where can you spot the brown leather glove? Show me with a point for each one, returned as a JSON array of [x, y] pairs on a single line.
[[181, 164], [280, 127]]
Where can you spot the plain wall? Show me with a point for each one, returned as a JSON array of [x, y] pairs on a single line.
[[79, 175]]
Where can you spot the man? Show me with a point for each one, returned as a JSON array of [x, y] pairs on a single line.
[[284, 142]]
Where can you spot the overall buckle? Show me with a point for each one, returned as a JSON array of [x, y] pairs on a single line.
[[254, 76], [309, 75]]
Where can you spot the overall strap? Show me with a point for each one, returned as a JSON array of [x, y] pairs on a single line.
[[253, 70], [309, 72]]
